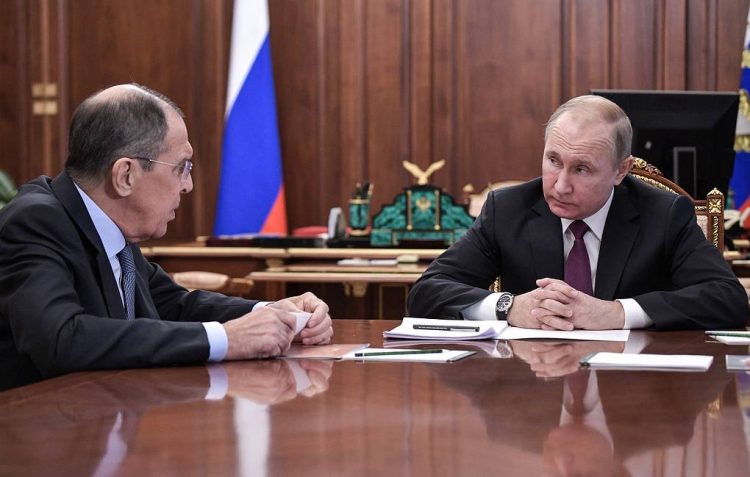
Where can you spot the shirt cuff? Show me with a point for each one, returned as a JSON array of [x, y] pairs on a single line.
[[261, 304], [635, 316], [218, 343], [482, 310]]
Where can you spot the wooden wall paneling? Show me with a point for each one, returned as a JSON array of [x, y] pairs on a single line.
[[14, 89], [635, 40], [508, 87], [587, 38], [419, 63], [294, 44], [211, 22], [386, 98], [731, 22], [352, 120], [697, 47], [444, 65], [672, 45]]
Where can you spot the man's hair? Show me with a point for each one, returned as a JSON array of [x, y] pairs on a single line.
[[598, 108], [130, 124]]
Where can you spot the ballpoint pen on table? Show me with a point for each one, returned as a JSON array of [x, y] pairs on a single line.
[[739, 334], [391, 353], [446, 328]]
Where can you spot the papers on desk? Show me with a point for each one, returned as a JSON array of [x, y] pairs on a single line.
[[419, 355], [648, 362], [738, 362], [450, 330], [493, 349], [330, 351], [731, 337]]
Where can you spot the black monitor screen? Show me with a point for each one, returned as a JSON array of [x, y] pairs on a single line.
[[688, 135]]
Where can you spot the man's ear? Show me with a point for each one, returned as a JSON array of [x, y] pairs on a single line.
[[623, 169], [125, 173]]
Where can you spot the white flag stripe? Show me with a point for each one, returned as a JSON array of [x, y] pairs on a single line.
[[249, 31]]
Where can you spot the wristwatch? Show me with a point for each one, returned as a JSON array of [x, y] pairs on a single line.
[[504, 302]]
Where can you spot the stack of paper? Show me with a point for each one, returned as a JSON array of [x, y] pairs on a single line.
[[448, 330], [648, 362]]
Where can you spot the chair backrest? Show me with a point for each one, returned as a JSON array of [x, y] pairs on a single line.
[[211, 281], [708, 211]]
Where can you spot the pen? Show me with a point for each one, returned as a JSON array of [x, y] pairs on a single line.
[[446, 328], [391, 353], [739, 334]]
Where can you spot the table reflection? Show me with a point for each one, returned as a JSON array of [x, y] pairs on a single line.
[[101, 421], [624, 423]]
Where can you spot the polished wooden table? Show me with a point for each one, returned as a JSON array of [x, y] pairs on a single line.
[[482, 415]]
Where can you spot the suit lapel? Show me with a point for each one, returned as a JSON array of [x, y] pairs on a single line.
[[546, 242], [620, 231], [65, 191]]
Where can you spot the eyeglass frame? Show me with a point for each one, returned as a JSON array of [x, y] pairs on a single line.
[[186, 166]]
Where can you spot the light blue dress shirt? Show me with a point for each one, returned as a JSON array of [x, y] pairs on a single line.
[[113, 241]]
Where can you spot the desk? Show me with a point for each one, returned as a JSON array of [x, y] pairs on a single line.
[[479, 416], [369, 291]]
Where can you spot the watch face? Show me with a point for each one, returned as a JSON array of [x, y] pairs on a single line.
[[503, 303]]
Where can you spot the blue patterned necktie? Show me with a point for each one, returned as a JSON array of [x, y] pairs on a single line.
[[127, 270], [577, 266]]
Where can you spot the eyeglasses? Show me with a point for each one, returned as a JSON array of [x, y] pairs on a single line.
[[183, 168]]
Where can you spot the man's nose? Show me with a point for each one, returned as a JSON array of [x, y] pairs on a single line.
[[563, 184], [188, 186]]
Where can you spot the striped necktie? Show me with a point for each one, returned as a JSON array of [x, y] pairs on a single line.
[[127, 269]]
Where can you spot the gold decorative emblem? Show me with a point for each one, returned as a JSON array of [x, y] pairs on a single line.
[[422, 176], [423, 204]]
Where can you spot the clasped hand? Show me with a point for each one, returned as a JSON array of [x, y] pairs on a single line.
[[555, 305], [269, 331]]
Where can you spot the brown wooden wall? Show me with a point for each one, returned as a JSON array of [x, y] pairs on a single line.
[[362, 85]]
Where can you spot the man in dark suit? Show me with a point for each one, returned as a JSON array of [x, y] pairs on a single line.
[[647, 262], [75, 291]]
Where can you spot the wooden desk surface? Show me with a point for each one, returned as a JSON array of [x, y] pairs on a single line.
[[479, 416]]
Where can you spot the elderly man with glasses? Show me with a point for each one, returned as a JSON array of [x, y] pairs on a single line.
[[75, 291]]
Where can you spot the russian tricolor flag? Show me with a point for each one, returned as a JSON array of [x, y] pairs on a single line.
[[251, 187]]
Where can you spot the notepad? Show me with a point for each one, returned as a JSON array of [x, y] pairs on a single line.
[[730, 337], [409, 355], [648, 362], [329, 351], [450, 330]]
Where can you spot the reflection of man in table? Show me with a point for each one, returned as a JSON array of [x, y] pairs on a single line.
[[90, 427], [628, 413]]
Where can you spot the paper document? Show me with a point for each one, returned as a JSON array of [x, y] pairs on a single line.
[[730, 337], [302, 318], [738, 362], [449, 330], [330, 351], [657, 362], [422, 355]]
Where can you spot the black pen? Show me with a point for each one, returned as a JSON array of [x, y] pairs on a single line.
[[391, 353], [446, 328]]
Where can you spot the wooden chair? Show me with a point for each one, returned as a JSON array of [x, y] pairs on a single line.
[[216, 282], [708, 211]]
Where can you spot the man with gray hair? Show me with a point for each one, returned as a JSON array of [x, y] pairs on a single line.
[[586, 245], [75, 291]]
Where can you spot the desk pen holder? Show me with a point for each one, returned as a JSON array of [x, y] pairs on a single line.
[[359, 216]]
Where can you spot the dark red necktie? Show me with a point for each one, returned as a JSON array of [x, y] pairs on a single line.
[[577, 267]]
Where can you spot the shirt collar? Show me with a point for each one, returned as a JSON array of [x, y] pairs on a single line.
[[108, 231], [596, 221]]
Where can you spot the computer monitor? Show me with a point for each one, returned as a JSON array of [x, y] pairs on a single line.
[[688, 135]]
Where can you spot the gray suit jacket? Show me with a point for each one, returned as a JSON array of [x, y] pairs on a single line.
[[60, 308], [652, 250]]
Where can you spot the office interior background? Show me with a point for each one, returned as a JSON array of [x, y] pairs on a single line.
[[361, 85]]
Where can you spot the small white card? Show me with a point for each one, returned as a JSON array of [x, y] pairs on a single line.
[[302, 318]]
